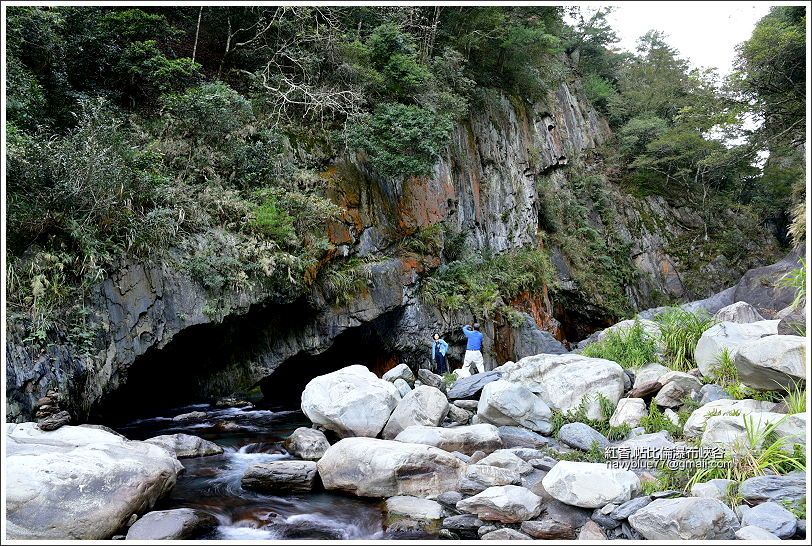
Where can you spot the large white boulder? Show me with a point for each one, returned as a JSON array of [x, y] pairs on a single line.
[[370, 467], [80, 483], [590, 485], [401, 371], [506, 403], [772, 363], [563, 381], [307, 443], [505, 503], [465, 439], [686, 518], [740, 312], [629, 411], [423, 406], [351, 401], [696, 422], [728, 335]]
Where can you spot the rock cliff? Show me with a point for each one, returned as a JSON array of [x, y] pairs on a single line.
[[509, 171]]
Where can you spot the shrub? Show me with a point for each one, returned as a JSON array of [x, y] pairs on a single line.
[[680, 331], [401, 140], [656, 421], [630, 347], [273, 222], [342, 280], [724, 369]]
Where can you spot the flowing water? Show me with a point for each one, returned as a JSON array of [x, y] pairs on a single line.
[[212, 484]]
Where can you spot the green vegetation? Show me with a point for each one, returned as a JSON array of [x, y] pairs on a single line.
[[630, 347], [344, 279], [656, 421], [579, 415], [796, 280], [680, 331], [724, 369], [449, 378]]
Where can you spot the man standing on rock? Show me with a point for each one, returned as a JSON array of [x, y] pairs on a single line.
[[473, 352]]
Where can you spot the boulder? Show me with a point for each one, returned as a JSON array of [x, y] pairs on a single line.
[[510, 404], [401, 371], [772, 518], [177, 524], [772, 363], [649, 373], [371, 467], [629, 411], [521, 437], [675, 387], [449, 501], [728, 335], [190, 416], [630, 507], [505, 503], [427, 514], [591, 531], [751, 532], [711, 393], [759, 286], [280, 476], [458, 416], [469, 387], [503, 458], [712, 489], [505, 533], [696, 422], [478, 477], [685, 518], [644, 390], [54, 421], [740, 312], [590, 485], [307, 443], [402, 387], [548, 529], [582, 436], [793, 322], [467, 405], [563, 381], [789, 488], [423, 406], [80, 483], [351, 401], [431, 379], [186, 445], [465, 439], [731, 430], [529, 339]]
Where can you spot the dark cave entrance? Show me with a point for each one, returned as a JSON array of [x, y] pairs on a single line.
[[372, 344]]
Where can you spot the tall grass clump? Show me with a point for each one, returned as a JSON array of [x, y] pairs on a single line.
[[680, 331], [630, 347]]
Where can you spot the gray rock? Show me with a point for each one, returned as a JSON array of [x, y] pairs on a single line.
[[458, 415], [521, 437], [351, 401], [485, 529], [629, 411], [751, 532], [177, 524], [590, 485], [479, 477], [529, 339], [510, 404], [526, 453], [446, 534], [186, 445], [728, 335], [470, 387], [773, 363], [506, 503], [591, 531], [57, 483], [190, 416], [675, 387], [740, 312], [711, 393], [789, 487], [759, 286], [686, 518], [543, 463], [505, 534], [371, 467], [605, 520], [431, 379], [402, 387], [423, 406], [462, 522], [280, 476], [423, 514], [649, 373], [468, 405], [793, 323], [800, 532], [503, 458], [461, 456], [465, 439], [695, 424], [401, 371], [630, 507], [548, 529], [712, 489], [449, 500], [307, 443], [574, 516], [582, 436], [772, 518]]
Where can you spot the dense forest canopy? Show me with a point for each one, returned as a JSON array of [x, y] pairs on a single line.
[[132, 129]]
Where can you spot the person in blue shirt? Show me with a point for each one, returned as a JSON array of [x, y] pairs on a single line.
[[438, 351], [473, 351]]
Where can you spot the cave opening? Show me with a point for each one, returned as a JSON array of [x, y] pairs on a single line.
[[373, 344]]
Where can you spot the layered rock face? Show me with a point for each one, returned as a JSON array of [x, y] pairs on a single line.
[[157, 326]]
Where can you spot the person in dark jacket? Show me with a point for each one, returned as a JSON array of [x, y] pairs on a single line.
[[439, 348]]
